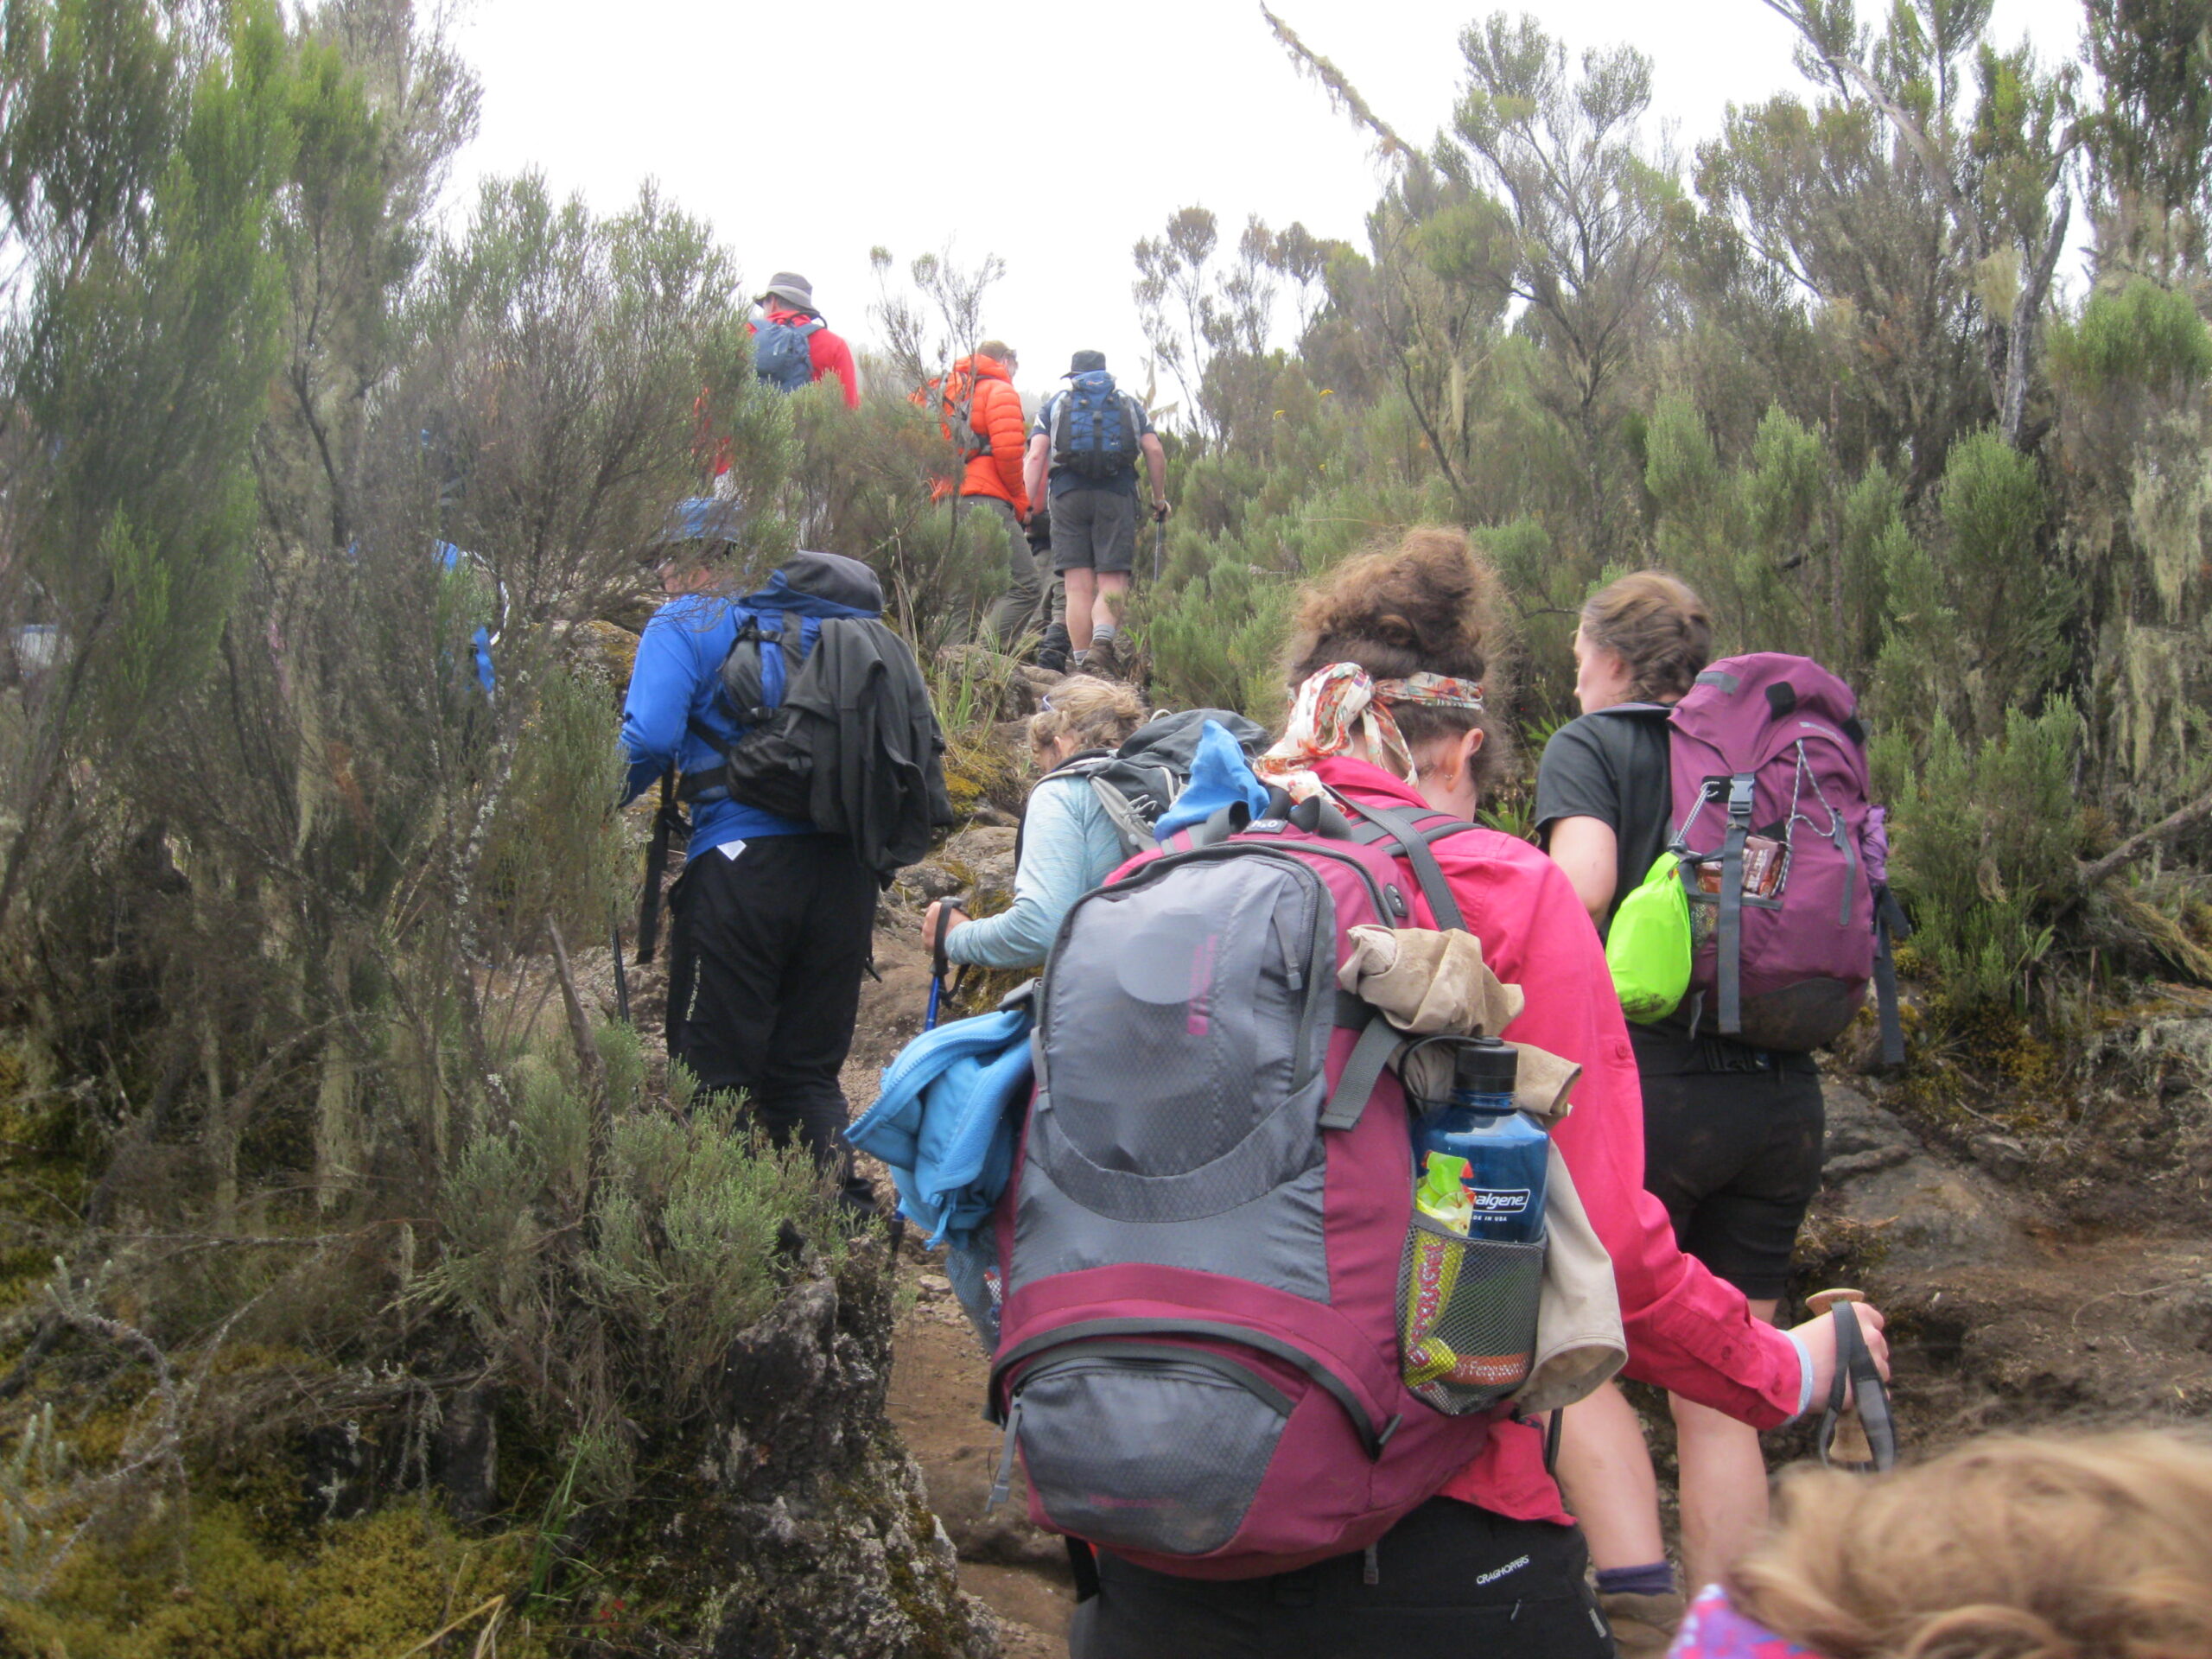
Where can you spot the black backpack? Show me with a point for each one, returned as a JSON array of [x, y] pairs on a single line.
[[833, 717], [1142, 779]]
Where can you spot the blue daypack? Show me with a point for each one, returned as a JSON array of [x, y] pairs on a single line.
[[1092, 435], [780, 355]]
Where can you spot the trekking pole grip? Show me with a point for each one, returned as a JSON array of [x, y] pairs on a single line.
[[940, 964]]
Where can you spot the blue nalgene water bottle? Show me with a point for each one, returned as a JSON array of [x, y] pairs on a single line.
[[1505, 1150]]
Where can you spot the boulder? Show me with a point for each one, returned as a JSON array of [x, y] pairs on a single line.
[[1862, 1138], [803, 1529], [982, 857]]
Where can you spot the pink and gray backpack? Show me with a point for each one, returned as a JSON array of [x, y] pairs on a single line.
[[1210, 1240], [1785, 861]]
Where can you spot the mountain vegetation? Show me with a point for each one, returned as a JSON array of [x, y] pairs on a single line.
[[358, 1287]]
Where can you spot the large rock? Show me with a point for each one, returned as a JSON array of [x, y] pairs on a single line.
[[803, 1529], [1862, 1138], [978, 862]]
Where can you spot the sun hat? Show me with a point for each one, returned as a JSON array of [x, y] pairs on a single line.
[[789, 285]]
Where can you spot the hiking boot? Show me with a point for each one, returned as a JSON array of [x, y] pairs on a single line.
[[1644, 1626], [1106, 659], [1052, 649]]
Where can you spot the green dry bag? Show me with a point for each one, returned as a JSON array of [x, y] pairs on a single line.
[[1648, 947]]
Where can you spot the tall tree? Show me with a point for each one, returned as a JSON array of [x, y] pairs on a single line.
[[1994, 134]]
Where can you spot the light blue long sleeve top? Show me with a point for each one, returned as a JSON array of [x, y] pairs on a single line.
[[1068, 847]]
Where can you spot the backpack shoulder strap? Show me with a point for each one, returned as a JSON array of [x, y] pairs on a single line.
[[1128, 822], [1401, 829]]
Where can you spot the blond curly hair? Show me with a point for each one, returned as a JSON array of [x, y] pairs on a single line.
[[2089, 1547], [1102, 714]]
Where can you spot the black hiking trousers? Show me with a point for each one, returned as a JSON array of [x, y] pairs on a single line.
[[1451, 1581], [765, 953]]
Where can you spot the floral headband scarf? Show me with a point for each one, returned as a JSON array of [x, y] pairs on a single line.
[[1339, 710], [1714, 1630]]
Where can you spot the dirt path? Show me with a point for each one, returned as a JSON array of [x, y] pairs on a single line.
[[937, 1393]]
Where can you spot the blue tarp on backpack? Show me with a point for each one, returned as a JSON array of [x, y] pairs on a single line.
[[1220, 775]]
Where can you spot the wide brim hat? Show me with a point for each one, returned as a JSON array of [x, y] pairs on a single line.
[[789, 286], [1085, 363]]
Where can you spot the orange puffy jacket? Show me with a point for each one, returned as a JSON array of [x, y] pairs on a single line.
[[994, 411]]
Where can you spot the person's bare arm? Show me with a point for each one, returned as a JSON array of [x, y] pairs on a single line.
[[1155, 461], [1033, 466], [1590, 854]]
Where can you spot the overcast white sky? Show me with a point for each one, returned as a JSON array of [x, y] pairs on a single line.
[[1053, 135]]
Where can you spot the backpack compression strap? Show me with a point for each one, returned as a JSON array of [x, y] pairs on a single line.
[[1730, 939], [1890, 924]]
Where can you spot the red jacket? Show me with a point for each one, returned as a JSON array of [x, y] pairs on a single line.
[[994, 411], [1687, 1330], [827, 351]]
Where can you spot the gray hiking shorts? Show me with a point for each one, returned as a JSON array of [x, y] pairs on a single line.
[[1094, 529]]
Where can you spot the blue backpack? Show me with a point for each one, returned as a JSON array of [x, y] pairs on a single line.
[[780, 355], [1092, 434]]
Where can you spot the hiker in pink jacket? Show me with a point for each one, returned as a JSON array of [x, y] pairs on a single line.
[[1493, 1564]]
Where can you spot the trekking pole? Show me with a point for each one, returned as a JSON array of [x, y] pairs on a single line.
[[1159, 545], [938, 963], [655, 867], [621, 977]]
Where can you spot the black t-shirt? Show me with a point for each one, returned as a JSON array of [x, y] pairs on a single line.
[[1612, 767]]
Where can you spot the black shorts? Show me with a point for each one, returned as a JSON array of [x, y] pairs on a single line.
[[1732, 1140], [1450, 1580]]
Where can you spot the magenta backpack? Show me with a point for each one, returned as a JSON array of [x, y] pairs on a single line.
[[1785, 862], [1210, 1226]]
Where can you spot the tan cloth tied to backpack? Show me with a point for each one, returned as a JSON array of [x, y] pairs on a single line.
[[1426, 983]]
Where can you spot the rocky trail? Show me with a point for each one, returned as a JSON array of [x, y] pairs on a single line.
[[2022, 1289]]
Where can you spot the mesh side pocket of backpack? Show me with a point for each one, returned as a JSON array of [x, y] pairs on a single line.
[[971, 1266], [1466, 1317]]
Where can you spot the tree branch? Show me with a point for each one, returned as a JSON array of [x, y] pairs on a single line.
[[1341, 91], [2187, 817]]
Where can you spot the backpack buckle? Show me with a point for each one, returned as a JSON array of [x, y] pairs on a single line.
[[1739, 796]]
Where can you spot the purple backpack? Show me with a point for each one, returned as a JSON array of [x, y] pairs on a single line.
[[1785, 862], [1211, 1239]]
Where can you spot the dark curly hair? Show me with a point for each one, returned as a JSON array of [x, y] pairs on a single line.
[[1426, 603]]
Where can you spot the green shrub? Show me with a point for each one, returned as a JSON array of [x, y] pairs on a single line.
[[1982, 846], [669, 1224], [2141, 334]]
